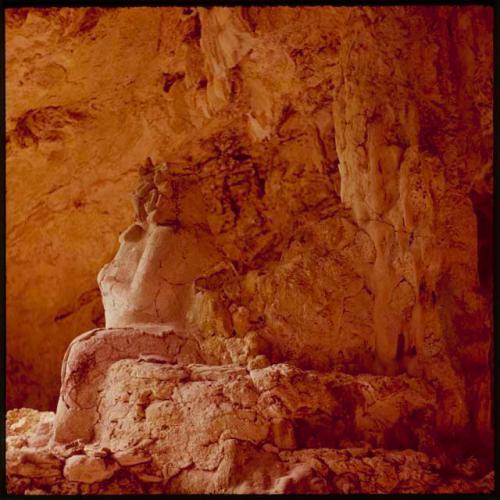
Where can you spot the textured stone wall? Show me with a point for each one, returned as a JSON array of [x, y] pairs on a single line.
[[85, 105], [413, 128], [317, 192], [364, 259], [93, 92]]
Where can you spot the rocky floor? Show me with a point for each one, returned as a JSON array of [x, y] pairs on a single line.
[[194, 428]]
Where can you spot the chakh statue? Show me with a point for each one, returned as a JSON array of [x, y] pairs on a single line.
[[147, 291]]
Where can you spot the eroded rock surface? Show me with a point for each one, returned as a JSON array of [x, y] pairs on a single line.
[[302, 303], [199, 429]]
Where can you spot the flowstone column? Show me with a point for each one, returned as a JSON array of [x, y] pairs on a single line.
[[408, 164]]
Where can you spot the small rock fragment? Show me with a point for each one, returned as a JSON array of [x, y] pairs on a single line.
[[85, 469]]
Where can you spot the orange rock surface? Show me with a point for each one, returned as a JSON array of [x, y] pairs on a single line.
[[302, 302]]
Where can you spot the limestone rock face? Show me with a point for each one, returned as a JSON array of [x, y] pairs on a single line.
[[410, 181], [205, 429], [303, 301], [80, 103]]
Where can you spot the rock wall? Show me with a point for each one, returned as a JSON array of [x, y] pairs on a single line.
[[192, 428], [317, 190], [361, 259], [85, 105], [412, 164]]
